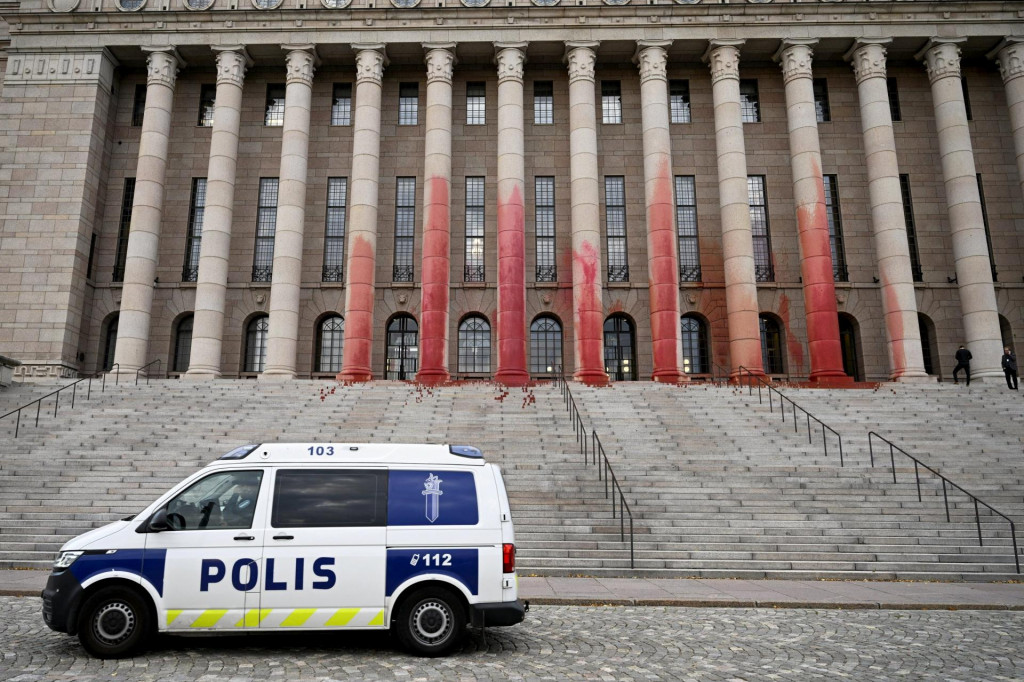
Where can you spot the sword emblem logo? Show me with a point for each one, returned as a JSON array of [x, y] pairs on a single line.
[[432, 493]]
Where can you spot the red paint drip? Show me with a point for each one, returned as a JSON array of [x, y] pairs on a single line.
[[587, 315], [511, 290], [663, 268], [894, 325], [436, 268], [359, 314]]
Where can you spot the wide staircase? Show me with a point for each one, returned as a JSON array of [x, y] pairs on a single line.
[[717, 487], [725, 488], [113, 454]]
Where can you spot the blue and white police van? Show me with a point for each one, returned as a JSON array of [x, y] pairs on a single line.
[[316, 536]]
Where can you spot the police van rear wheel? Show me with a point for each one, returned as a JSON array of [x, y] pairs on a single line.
[[431, 622], [114, 623]]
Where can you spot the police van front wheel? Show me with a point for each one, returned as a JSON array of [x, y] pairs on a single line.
[[431, 622], [114, 623]]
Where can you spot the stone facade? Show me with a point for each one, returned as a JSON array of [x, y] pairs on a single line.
[[68, 143]]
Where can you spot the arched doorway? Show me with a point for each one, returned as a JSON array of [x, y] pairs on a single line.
[[929, 349], [545, 346], [403, 352], [330, 343], [256, 344], [110, 343], [183, 343], [696, 358], [619, 349], [771, 345], [1007, 333], [849, 345], [474, 345]]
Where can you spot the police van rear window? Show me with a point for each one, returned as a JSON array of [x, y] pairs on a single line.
[[329, 498]]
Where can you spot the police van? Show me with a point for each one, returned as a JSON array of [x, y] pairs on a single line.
[[316, 536]]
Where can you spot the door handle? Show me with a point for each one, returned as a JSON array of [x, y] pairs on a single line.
[[284, 537], [244, 537]]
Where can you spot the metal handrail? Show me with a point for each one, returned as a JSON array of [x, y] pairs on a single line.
[[148, 364], [592, 444], [38, 402], [893, 448], [783, 399]]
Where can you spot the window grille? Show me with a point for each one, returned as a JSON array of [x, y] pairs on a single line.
[[476, 104], [835, 229], [405, 229], [544, 212], [334, 231], [256, 344], [611, 102], [696, 359], [543, 103], [822, 111], [679, 101], [121, 255], [408, 104], [686, 229], [750, 103], [474, 345], [266, 228], [194, 238], [474, 230], [207, 104], [756, 197], [908, 215], [615, 224], [341, 105], [274, 111], [330, 340]]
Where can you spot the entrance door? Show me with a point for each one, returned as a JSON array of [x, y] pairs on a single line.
[[619, 349], [403, 348], [848, 344]]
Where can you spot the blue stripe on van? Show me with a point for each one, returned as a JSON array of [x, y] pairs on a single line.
[[432, 498], [460, 564], [148, 564]]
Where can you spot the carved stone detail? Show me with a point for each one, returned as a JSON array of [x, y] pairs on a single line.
[[724, 62], [510, 64], [796, 62], [94, 67], [868, 61], [440, 66], [370, 66], [162, 68], [942, 60], [231, 67], [300, 65], [581, 64], [653, 64], [1011, 61]]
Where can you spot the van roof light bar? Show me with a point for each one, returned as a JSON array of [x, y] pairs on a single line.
[[466, 451]]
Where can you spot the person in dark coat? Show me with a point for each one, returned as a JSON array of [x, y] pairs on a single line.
[[1010, 368], [963, 362]]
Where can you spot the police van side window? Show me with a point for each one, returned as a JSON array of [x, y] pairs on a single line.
[[222, 500], [330, 498]]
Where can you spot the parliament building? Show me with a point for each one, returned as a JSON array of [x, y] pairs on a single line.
[[819, 190]]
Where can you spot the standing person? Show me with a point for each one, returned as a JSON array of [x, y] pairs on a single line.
[[1010, 368], [963, 362]]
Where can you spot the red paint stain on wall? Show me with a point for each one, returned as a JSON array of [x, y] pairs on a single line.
[[894, 325], [359, 312], [511, 316], [587, 314], [436, 268], [663, 268]]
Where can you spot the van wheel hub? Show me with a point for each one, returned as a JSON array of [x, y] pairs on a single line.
[[114, 622], [432, 622]]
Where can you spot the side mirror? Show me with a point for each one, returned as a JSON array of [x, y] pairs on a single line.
[[158, 522]]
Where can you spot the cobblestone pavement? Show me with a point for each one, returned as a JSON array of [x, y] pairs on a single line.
[[570, 642]]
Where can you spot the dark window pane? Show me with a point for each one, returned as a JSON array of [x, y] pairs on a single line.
[[121, 255], [894, 99], [679, 101], [543, 103], [274, 111], [341, 105], [545, 346], [408, 104], [334, 232], [750, 104], [327, 498], [139, 105], [611, 102], [821, 108], [835, 228], [686, 229], [183, 344], [476, 104], [194, 237], [908, 215], [207, 103], [763, 270]]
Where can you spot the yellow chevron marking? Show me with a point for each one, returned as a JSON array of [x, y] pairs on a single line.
[[171, 615], [297, 618], [252, 618], [378, 619], [341, 617], [209, 618]]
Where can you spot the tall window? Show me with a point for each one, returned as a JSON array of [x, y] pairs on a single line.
[[474, 230], [835, 229], [545, 346], [822, 111], [408, 104], [611, 102], [967, 98], [274, 111], [615, 225], [330, 340], [988, 232], [544, 196], [679, 101], [474, 345], [763, 270], [750, 103], [908, 215], [92, 256], [207, 103], [197, 207], [266, 228], [405, 229], [894, 98], [476, 104], [696, 358], [771, 345], [686, 229], [256, 344], [543, 103], [121, 255], [620, 349], [139, 105], [110, 343], [341, 105], [183, 344], [334, 232]]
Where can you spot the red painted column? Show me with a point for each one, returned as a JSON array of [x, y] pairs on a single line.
[[662, 259], [360, 269], [437, 216], [511, 322], [816, 265], [588, 308]]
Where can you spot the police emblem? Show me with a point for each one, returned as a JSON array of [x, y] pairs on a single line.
[[432, 493]]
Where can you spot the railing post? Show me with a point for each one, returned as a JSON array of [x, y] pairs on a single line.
[[622, 517], [796, 424], [945, 500], [1016, 554], [809, 434], [840, 449], [977, 520], [917, 475], [39, 406], [74, 390], [56, 404], [88, 394], [17, 424], [631, 564], [892, 461]]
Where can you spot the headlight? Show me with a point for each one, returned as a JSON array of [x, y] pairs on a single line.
[[66, 559]]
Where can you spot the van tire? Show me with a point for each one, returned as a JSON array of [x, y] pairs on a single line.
[[431, 622], [114, 623]]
